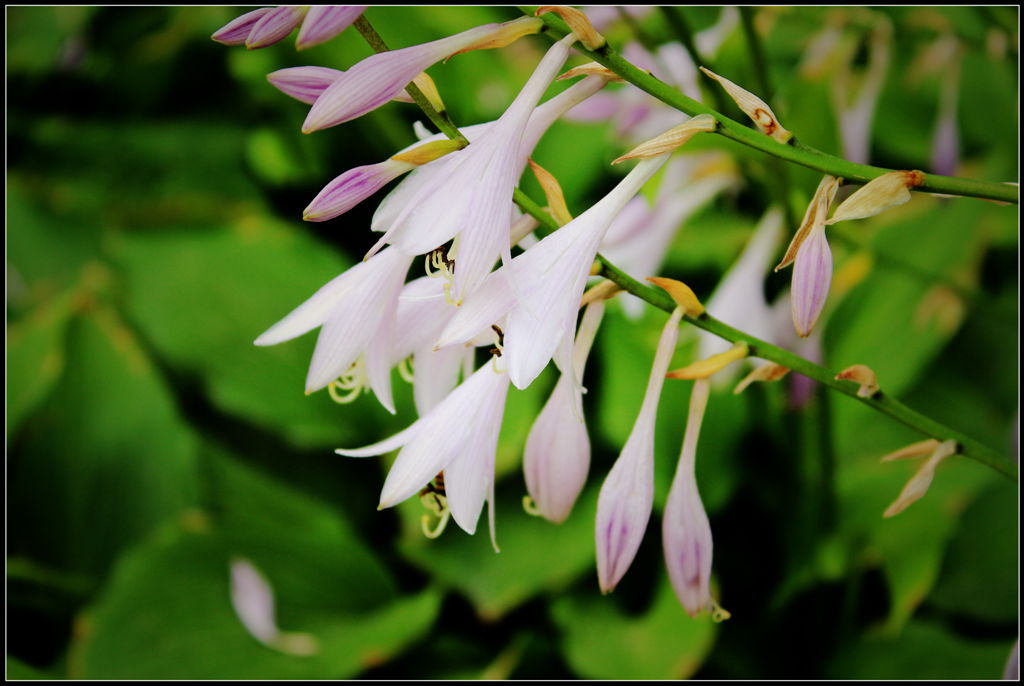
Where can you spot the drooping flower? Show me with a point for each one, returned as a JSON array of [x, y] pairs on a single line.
[[552, 276], [627, 495], [269, 25], [459, 437], [471, 200], [685, 532], [918, 484], [378, 78], [253, 600], [856, 115], [356, 311], [557, 455]]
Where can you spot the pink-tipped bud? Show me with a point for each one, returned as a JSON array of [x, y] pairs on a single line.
[[812, 276], [324, 22], [305, 84], [352, 187], [274, 26], [237, 31]]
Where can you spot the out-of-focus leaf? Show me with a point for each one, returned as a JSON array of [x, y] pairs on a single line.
[[980, 573], [167, 614], [602, 643], [536, 556], [921, 651], [203, 297], [19, 671], [106, 458], [40, 38], [35, 358]]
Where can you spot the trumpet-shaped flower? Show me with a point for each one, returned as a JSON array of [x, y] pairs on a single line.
[[557, 455], [627, 495], [459, 436], [685, 533], [356, 311], [551, 277], [472, 199], [377, 79]]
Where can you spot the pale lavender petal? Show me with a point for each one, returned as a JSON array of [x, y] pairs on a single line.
[[627, 495], [324, 22], [435, 374], [316, 309], [812, 276], [236, 31], [274, 26], [1011, 671], [946, 141], [253, 600], [633, 219], [599, 108], [387, 445], [378, 358], [378, 78], [422, 315], [491, 301], [351, 188], [686, 533], [305, 84]]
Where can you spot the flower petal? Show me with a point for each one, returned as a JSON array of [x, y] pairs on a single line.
[[236, 31], [274, 26], [324, 22]]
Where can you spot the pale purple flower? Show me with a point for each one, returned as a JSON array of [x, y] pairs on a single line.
[[459, 436], [378, 78], [351, 188], [356, 313], [471, 200], [946, 140], [269, 25], [551, 277], [253, 600], [324, 22], [627, 495], [812, 276], [685, 531], [856, 117], [557, 455]]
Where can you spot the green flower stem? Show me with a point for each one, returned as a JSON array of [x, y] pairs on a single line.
[[795, 151], [758, 348]]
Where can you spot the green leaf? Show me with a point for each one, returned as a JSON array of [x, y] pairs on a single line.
[[536, 556], [105, 459], [167, 615], [921, 651], [19, 671], [601, 642]]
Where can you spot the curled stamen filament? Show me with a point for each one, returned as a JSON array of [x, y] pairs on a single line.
[[353, 382], [530, 507], [718, 613], [405, 369], [442, 522]]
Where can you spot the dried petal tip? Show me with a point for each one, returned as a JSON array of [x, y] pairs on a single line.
[[506, 34], [716, 363], [428, 152], [815, 215], [919, 449], [754, 107], [681, 293], [672, 139], [590, 69], [766, 372], [862, 374], [429, 90], [553, 193], [878, 195], [919, 483], [578, 24]]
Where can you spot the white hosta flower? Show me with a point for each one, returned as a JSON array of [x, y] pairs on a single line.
[[253, 601], [551, 277], [356, 311], [471, 199], [557, 455], [685, 532], [459, 437], [627, 495]]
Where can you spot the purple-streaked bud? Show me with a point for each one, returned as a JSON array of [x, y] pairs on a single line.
[[377, 79], [324, 22], [812, 276], [305, 84], [557, 456], [274, 26], [237, 31], [946, 143], [627, 495], [352, 187], [685, 533]]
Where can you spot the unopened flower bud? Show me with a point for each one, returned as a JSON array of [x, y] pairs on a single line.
[[578, 24], [681, 293], [553, 193], [274, 26], [878, 195], [863, 375], [671, 139], [754, 107], [702, 369], [236, 31], [919, 483], [351, 188], [815, 215], [324, 22], [766, 372]]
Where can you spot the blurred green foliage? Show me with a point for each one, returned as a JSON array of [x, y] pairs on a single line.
[[154, 198]]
